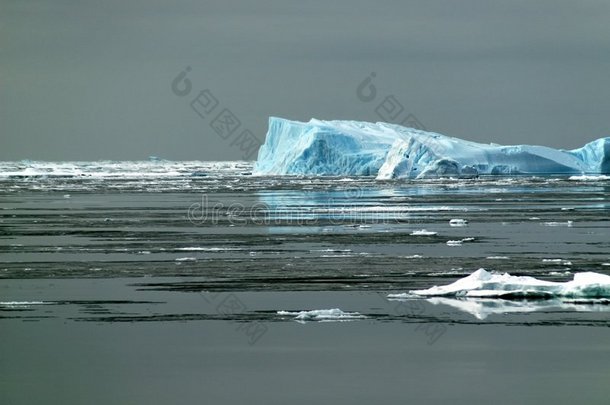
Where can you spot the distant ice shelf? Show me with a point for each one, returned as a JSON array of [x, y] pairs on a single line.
[[389, 151]]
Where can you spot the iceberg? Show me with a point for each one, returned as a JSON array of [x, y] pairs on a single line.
[[390, 151], [483, 284]]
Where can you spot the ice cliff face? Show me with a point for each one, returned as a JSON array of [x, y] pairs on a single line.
[[391, 151]]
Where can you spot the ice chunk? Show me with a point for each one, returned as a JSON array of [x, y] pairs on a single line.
[[423, 232], [327, 315], [481, 283], [458, 222], [388, 151]]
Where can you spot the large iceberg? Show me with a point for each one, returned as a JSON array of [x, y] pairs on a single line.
[[389, 151]]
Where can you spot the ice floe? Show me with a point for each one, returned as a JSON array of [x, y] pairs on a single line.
[[482, 283], [323, 315]]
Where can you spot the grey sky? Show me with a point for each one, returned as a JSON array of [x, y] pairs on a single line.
[[84, 80]]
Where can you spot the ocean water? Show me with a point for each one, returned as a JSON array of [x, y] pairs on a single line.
[[177, 281]]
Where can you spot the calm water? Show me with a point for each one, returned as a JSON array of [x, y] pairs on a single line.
[[112, 269]]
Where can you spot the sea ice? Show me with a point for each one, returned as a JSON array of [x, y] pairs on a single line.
[[423, 232], [326, 315], [389, 151], [484, 284]]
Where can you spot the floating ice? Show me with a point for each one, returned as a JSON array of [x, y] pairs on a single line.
[[324, 315], [388, 151], [458, 242], [481, 283], [589, 178], [458, 222], [423, 232], [21, 304], [553, 223], [186, 259]]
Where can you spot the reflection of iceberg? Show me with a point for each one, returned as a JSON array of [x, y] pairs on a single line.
[[481, 308], [392, 151], [481, 283]]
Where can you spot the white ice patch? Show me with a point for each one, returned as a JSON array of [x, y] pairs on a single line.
[[458, 242], [323, 315], [186, 259], [458, 222], [553, 223], [21, 304], [423, 232], [482, 283], [557, 261], [589, 178]]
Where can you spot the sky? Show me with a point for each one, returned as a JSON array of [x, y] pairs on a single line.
[[89, 80]]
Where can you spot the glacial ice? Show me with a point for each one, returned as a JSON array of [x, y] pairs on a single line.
[[389, 151], [483, 284]]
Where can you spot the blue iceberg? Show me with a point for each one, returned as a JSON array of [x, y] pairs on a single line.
[[389, 151]]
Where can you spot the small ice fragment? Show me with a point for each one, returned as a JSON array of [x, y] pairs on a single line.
[[323, 315], [553, 223], [458, 222], [423, 232], [186, 259]]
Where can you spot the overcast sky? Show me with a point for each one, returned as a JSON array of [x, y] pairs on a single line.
[[85, 80]]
